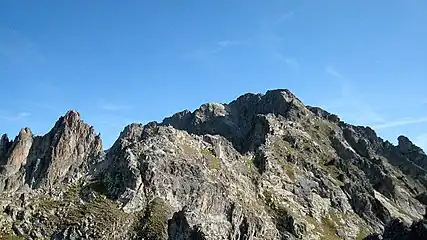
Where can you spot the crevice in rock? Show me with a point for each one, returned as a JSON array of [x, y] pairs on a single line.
[[286, 224], [179, 228], [244, 229], [260, 161]]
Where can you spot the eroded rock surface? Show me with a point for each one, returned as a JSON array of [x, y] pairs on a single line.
[[62, 155], [264, 166]]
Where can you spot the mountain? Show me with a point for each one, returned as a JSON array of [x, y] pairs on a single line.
[[264, 166]]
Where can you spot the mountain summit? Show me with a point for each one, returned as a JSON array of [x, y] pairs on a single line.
[[263, 166]]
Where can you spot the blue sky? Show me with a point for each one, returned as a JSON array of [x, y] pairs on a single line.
[[118, 62]]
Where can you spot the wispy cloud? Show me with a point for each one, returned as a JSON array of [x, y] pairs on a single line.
[[333, 72], [265, 38], [401, 122], [272, 43], [14, 117], [273, 21], [223, 44], [112, 107], [351, 104], [285, 16], [209, 52], [291, 62]]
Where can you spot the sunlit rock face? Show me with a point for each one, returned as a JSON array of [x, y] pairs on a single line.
[[263, 166]]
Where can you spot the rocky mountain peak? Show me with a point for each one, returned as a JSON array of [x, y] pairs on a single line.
[[4, 146], [263, 166], [405, 145], [286, 94], [70, 121], [25, 133], [71, 117], [20, 148], [63, 154], [235, 120], [414, 154], [4, 138]]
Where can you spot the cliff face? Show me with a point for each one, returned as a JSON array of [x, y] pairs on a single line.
[[261, 167], [62, 155]]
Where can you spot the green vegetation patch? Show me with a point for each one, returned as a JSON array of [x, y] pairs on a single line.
[[290, 170], [339, 182], [155, 221], [249, 162], [329, 226], [8, 235], [213, 161], [362, 234], [269, 199], [282, 149], [329, 229], [105, 214], [334, 172]]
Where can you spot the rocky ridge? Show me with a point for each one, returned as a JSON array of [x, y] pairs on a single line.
[[264, 166]]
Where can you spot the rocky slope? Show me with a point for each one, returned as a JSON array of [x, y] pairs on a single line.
[[264, 166]]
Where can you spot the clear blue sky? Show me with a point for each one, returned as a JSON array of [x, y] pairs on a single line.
[[118, 62]]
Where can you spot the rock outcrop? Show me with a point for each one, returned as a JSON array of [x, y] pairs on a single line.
[[261, 167], [62, 155], [398, 230]]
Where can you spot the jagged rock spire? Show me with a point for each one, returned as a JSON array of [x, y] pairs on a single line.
[[61, 155]]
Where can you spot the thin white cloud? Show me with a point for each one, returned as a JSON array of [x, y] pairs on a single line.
[[112, 107], [289, 61], [292, 62], [267, 39], [227, 43], [206, 54], [14, 118], [351, 105], [285, 16], [274, 21], [354, 111], [333, 72], [223, 44], [402, 122], [365, 115]]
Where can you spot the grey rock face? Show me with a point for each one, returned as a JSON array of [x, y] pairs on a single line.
[[261, 167], [235, 121], [397, 230], [324, 114], [4, 147], [64, 154], [195, 175], [412, 152]]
